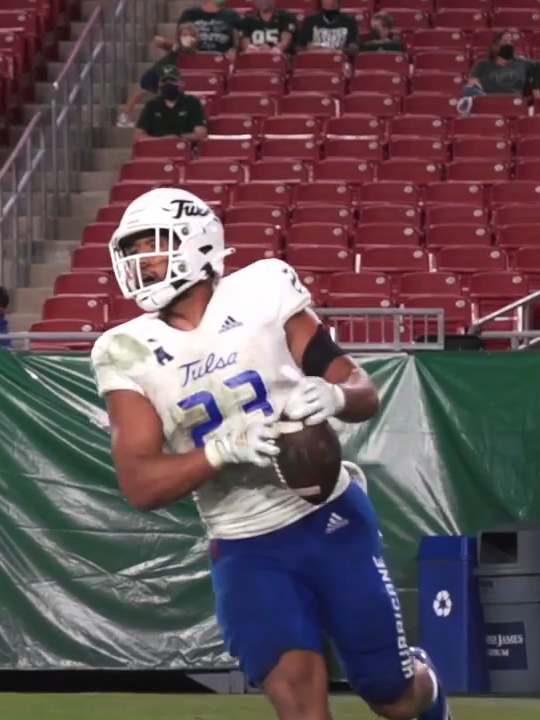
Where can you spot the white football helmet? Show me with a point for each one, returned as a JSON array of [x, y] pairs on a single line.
[[186, 232]]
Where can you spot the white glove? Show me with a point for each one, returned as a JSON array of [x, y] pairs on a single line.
[[314, 400], [254, 444]]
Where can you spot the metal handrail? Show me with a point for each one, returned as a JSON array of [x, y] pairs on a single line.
[[27, 221], [501, 312]]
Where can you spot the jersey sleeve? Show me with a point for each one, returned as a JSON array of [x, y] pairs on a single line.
[[110, 368], [292, 295]]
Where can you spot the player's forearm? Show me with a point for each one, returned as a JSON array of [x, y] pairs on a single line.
[[361, 398], [162, 480]]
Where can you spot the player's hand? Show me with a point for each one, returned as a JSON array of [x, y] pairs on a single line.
[[314, 400], [254, 444]]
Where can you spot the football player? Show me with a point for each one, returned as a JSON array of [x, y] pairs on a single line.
[[193, 390], [268, 28]]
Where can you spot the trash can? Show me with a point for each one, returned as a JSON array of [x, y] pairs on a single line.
[[509, 583], [449, 613]]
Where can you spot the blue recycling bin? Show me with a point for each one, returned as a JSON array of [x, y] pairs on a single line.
[[450, 614]]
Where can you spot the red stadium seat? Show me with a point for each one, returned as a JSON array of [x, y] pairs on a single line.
[[272, 193], [63, 326], [358, 300], [320, 259], [419, 125], [317, 81], [505, 105], [528, 126], [213, 193], [457, 193], [126, 192], [386, 234], [527, 259], [482, 147], [214, 170], [428, 283], [279, 170], [92, 308], [460, 18], [528, 147], [448, 214], [515, 191], [123, 309], [343, 147], [411, 170], [371, 330], [234, 148], [91, 257], [482, 125], [393, 259], [256, 213], [438, 39], [428, 148], [390, 61], [264, 83], [233, 125], [439, 82], [372, 103], [321, 60], [300, 125], [307, 149], [315, 104], [442, 61], [478, 170], [514, 236], [516, 214], [203, 61], [457, 312], [349, 171], [166, 148], [408, 19], [528, 169], [438, 236], [256, 104], [517, 17], [98, 233], [259, 61], [389, 191], [336, 214], [329, 191], [492, 290], [379, 81], [201, 82], [149, 170], [469, 259], [320, 234], [366, 126], [432, 103], [402, 214], [85, 283], [363, 283], [264, 234]]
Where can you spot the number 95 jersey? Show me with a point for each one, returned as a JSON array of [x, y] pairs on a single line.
[[219, 376]]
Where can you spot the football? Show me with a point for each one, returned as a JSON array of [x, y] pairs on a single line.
[[309, 461]]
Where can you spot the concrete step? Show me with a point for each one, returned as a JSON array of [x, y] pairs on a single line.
[[65, 49], [29, 300], [140, 30], [71, 228], [86, 204], [111, 70], [113, 137], [44, 274], [20, 322], [110, 159], [90, 113]]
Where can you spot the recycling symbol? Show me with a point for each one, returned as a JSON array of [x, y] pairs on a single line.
[[442, 605]]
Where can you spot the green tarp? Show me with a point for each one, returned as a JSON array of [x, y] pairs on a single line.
[[87, 582]]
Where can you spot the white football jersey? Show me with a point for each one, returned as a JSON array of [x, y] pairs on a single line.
[[208, 380]]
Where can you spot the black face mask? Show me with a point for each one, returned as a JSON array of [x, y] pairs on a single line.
[[506, 52], [169, 91], [330, 14]]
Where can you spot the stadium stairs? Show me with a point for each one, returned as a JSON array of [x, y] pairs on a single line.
[[112, 147]]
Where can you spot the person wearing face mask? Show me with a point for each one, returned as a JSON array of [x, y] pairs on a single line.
[[502, 72], [187, 41], [268, 28], [382, 36], [172, 113], [330, 28]]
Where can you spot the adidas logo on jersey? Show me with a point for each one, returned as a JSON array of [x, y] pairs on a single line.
[[335, 522], [229, 324]]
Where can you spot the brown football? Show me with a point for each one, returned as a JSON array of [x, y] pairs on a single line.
[[310, 459]]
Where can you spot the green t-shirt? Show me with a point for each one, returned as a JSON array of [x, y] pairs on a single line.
[[515, 76], [158, 119]]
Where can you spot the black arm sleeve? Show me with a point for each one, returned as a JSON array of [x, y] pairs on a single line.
[[319, 353]]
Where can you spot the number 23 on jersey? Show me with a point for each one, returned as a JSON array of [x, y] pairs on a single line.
[[215, 417]]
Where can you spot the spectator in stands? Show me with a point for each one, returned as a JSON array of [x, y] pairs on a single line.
[[268, 28], [218, 28], [501, 72], [173, 113], [330, 28], [4, 325], [383, 35], [187, 41]]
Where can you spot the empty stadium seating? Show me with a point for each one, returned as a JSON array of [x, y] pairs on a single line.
[[365, 178]]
